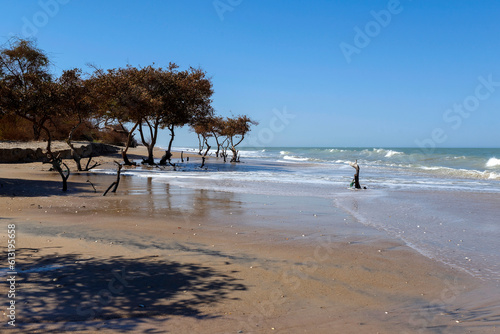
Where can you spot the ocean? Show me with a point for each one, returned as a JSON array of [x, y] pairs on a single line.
[[443, 203]]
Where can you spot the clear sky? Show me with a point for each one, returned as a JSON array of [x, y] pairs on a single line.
[[313, 73]]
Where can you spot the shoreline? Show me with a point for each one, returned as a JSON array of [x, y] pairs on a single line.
[[209, 261]]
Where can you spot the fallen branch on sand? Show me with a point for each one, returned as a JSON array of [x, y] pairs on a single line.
[[95, 190], [117, 182]]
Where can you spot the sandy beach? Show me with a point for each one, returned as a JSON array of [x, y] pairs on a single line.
[[156, 258]]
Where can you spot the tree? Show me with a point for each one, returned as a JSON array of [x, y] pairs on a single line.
[[204, 131], [26, 86], [190, 102], [235, 130], [210, 127], [153, 82], [178, 98], [216, 126], [122, 99], [75, 106], [27, 90]]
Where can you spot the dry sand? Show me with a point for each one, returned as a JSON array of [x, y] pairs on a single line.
[[153, 258]]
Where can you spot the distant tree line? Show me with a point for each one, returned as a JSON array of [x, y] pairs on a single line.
[[109, 105]]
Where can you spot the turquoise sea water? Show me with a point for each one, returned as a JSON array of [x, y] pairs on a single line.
[[452, 164]]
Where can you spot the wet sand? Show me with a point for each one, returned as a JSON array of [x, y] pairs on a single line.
[[165, 259]]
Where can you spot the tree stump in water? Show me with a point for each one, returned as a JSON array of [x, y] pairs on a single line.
[[356, 176]]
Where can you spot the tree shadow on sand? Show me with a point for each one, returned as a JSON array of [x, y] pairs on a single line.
[[34, 188], [66, 289]]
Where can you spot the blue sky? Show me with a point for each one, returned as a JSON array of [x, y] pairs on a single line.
[[313, 73]]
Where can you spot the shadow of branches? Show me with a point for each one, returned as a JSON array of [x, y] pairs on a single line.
[[65, 288], [33, 188]]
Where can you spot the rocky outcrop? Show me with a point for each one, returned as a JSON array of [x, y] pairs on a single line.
[[20, 155]]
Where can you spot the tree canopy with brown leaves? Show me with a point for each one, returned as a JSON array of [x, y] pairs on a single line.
[[235, 130], [122, 98], [147, 99], [186, 97], [75, 105], [27, 88]]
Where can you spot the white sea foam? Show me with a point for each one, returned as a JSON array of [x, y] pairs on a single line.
[[253, 154], [460, 172], [391, 153], [294, 158], [493, 162], [494, 176], [381, 151], [181, 149]]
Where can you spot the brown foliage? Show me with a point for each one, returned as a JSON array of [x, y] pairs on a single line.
[[235, 130], [15, 128], [36, 105], [26, 86]]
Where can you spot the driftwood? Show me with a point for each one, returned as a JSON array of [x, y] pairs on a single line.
[[74, 153], [202, 162], [117, 182], [76, 157], [56, 165], [95, 190], [356, 176], [87, 168], [126, 161]]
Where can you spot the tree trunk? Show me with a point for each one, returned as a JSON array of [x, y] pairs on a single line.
[[126, 161], [172, 135], [208, 147], [200, 145], [151, 158], [150, 146], [129, 141], [36, 132], [56, 164], [166, 158], [356, 176], [224, 153], [117, 182], [50, 155], [235, 154], [77, 160], [218, 145], [69, 141], [234, 150]]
